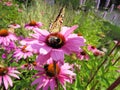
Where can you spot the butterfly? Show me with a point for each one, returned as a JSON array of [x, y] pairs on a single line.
[[57, 24]]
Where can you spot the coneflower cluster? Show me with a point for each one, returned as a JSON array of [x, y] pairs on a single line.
[[48, 49]]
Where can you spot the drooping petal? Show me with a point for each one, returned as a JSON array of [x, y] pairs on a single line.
[[57, 54], [9, 80], [41, 59], [5, 82], [46, 85], [14, 71], [74, 44], [38, 80], [39, 86], [0, 80], [52, 84], [14, 75]]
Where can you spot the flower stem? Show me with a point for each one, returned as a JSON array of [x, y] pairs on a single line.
[[92, 77], [54, 64], [114, 84], [116, 61]]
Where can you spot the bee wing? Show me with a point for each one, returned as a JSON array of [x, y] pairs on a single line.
[[57, 24]]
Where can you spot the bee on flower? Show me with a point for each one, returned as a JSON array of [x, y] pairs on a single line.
[[51, 74]]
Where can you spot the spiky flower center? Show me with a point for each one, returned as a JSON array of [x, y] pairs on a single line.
[[83, 53], [4, 32], [3, 71], [55, 40], [32, 23], [51, 69], [24, 49], [34, 63], [14, 24], [93, 47]]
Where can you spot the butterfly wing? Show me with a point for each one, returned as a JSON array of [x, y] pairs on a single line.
[[12, 30], [57, 24]]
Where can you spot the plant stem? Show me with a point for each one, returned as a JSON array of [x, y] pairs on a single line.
[[116, 61], [93, 87], [54, 64], [92, 77], [114, 84]]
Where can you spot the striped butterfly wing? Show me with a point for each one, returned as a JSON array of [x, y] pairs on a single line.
[[57, 24]]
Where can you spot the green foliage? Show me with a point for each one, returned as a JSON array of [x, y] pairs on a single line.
[[89, 25], [9, 14]]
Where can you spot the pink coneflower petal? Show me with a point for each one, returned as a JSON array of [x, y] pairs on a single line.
[[41, 59], [6, 37], [14, 75], [61, 78], [14, 71], [5, 76], [39, 86], [64, 30], [0, 80], [5, 82], [52, 84], [45, 50], [9, 80], [57, 54], [45, 33], [49, 77], [70, 30], [46, 82], [66, 50], [15, 26], [33, 25], [39, 80], [66, 66]]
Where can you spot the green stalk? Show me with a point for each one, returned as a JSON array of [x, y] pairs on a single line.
[[95, 73], [114, 84]]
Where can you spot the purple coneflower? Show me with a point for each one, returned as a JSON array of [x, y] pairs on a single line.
[[21, 52], [4, 55], [33, 24], [5, 73], [95, 51], [91, 48], [14, 26], [6, 37], [11, 47], [29, 66], [8, 3], [57, 44], [83, 55], [51, 74]]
